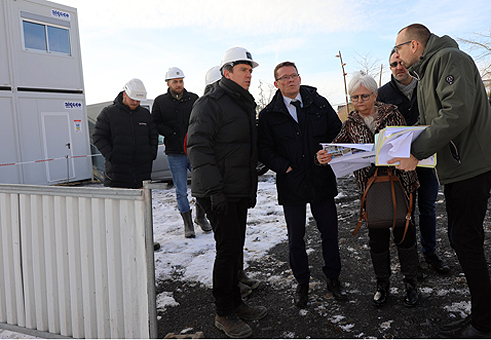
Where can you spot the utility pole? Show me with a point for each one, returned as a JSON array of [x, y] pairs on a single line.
[[344, 77]]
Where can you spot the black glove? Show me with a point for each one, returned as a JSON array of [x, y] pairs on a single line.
[[252, 202], [219, 203]]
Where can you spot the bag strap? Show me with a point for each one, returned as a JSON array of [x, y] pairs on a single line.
[[363, 216], [410, 208]]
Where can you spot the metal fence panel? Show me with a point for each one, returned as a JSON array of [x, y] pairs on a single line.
[[75, 262]]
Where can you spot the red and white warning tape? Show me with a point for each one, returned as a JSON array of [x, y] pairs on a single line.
[[47, 160]]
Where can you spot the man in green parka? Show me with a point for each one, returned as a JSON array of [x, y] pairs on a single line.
[[452, 101]]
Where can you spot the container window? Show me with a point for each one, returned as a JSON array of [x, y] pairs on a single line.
[[59, 40], [34, 36], [44, 37]]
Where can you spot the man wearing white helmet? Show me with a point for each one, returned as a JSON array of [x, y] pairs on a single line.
[[127, 137], [222, 149], [212, 75], [171, 113], [246, 284]]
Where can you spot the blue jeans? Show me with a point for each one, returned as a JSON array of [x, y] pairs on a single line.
[[179, 166], [427, 195]]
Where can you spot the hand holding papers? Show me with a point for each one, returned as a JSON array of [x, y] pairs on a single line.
[[395, 142], [349, 157], [392, 142]]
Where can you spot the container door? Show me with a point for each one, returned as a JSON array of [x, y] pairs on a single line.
[[57, 146]]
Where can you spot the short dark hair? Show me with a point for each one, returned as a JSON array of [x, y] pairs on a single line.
[[230, 66], [391, 53], [283, 64], [417, 32]]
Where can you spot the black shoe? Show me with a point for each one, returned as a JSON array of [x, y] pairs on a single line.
[[301, 296], [382, 292], [466, 332], [452, 326], [437, 263], [412, 296], [337, 289]]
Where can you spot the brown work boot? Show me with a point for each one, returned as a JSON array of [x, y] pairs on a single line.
[[246, 312], [245, 290], [247, 280], [232, 326]]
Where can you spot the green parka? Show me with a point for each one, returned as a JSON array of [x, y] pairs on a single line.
[[452, 101]]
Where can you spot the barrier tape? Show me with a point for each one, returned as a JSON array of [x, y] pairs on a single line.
[[48, 160]]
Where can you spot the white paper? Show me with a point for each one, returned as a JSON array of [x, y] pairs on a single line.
[[349, 157], [395, 142]]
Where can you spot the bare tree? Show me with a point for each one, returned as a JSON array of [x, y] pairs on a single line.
[[369, 65], [266, 93]]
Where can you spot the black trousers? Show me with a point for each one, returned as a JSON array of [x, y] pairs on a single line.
[[326, 218], [467, 203], [229, 232]]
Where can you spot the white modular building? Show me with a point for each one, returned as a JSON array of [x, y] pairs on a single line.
[[44, 134]]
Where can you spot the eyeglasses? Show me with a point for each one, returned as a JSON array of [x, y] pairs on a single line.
[[363, 97], [395, 63], [286, 78], [397, 46]]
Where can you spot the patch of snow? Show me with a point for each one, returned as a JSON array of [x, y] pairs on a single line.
[[165, 299]]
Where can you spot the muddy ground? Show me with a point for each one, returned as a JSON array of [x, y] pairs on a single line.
[[444, 298]]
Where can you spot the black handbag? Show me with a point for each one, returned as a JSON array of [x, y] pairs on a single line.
[[384, 203]]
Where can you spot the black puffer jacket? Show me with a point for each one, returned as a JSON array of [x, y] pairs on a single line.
[[171, 115], [128, 140], [221, 142], [390, 94], [283, 144]]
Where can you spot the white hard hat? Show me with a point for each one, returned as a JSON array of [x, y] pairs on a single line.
[[213, 75], [135, 89], [173, 73], [235, 54]]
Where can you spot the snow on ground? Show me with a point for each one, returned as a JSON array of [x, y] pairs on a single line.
[[192, 259]]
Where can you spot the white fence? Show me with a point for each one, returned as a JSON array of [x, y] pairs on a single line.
[[77, 262]]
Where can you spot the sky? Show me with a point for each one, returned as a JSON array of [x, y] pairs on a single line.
[[126, 39]]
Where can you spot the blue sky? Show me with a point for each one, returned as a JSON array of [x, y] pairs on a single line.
[[126, 39]]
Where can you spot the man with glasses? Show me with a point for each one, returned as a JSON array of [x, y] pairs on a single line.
[[452, 101], [401, 91], [290, 129]]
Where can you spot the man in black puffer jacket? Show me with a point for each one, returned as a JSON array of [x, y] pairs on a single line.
[[171, 113], [221, 145], [127, 137], [289, 138]]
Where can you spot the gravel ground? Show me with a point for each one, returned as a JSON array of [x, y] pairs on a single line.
[[444, 298]]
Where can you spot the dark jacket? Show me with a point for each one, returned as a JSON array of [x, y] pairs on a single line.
[[390, 94], [222, 142], [283, 144], [128, 140], [452, 100], [171, 115]]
